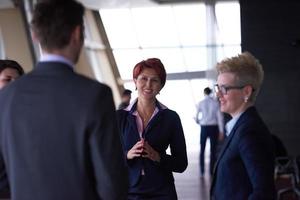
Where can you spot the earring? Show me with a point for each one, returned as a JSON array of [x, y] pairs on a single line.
[[246, 99]]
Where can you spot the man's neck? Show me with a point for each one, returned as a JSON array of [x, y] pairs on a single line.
[[50, 57]]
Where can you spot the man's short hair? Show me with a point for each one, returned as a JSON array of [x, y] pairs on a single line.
[[207, 91], [54, 20], [126, 92], [11, 64]]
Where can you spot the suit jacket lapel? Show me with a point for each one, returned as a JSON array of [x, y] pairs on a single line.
[[153, 121], [224, 147], [156, 119], [223, 150], [132, 123]]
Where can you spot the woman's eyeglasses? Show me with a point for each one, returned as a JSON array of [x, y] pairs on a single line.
[[223, 88]]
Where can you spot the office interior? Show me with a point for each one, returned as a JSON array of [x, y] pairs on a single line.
[[190, 37]]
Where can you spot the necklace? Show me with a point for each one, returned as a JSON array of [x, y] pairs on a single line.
[[145, 113], [146, 118]]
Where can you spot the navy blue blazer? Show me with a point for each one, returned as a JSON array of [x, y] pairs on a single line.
[[163, 130], [59, 138], [245, 167]]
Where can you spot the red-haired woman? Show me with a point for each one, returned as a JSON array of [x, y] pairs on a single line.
[[148, 128]]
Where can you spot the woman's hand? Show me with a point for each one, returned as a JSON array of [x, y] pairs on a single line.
[[150, 153], [136, 150]]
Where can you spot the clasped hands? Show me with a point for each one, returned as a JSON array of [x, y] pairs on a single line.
[[143, 149]]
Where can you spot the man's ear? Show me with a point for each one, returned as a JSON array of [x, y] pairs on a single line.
[[76, 34], [34, 37]]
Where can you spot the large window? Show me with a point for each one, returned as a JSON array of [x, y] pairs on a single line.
[[188, 38]]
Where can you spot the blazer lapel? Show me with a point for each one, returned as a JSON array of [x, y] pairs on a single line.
[[156, 119], [132, 124], [224, 147], [132, 121], [223, 150], [153, 121]]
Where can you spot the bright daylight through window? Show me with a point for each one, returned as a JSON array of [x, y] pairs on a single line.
[[188, 38]]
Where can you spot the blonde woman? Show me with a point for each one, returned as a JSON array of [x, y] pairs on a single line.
[[245, 166]]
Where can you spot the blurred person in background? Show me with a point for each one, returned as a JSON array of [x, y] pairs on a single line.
[[212, 128], [125, 99], [10, 70]]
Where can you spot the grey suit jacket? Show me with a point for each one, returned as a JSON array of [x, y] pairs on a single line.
[[245, 168], [59, 138]]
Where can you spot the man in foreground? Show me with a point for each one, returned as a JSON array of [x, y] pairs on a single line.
[[58, 136]]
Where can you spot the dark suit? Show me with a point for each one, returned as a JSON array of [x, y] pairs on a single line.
[[163, 130], [59, 139], [245, 168]]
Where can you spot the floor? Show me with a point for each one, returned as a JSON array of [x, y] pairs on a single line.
[[189, 184]]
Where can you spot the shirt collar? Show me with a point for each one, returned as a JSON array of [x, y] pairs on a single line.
[[229, 126], [56, 58], [132, 106]]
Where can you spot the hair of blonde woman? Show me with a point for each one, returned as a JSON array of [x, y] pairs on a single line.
[[247, 70]]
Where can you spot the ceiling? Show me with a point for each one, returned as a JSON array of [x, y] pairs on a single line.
[[97, 4]]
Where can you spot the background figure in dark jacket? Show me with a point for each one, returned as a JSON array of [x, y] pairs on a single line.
[[148, 129], [245, 167], [59, 136], [125, 99]]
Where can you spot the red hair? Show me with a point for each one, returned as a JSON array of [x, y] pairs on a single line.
[[152, 63]]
